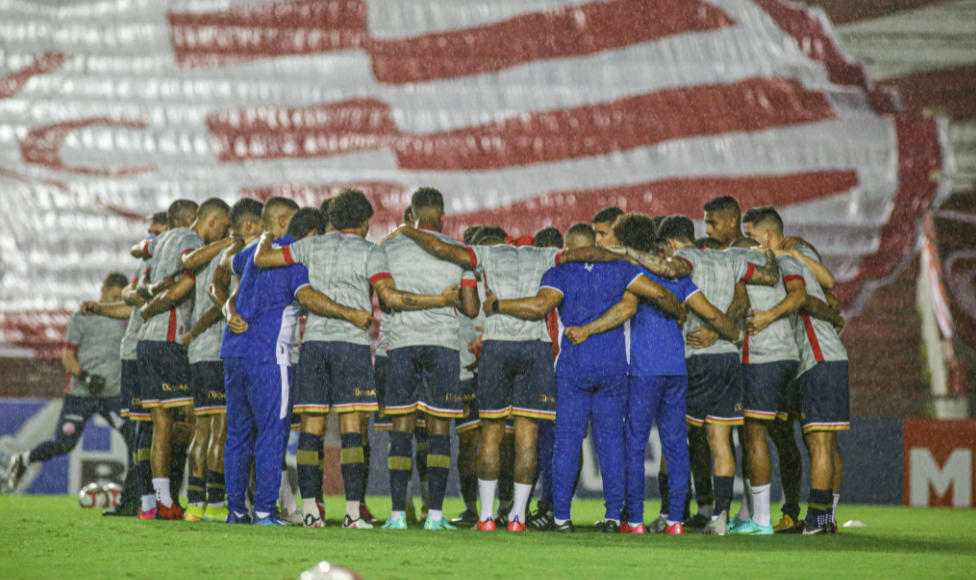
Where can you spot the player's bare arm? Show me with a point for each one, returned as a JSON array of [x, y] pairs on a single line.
[[704, 336], [235, 323], [620, 313], [140, 251], [823, 274], [532, 308], [434, 246], [169, 298], [468, 301], [131, 297], [714, 317], [209, 317], [796, 295], [400, 300], [320, 304], [117, 310], [660, 296], [201, 257], [266, 256], [219, 289], [817, 308], [665, 267], [588, 255], [767, 275], [69, 359]]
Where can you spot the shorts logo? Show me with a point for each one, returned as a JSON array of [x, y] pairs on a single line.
[[546, 399], [462, 398], [136, 402], [216, 395], [738, 406], [169, 388], [68, 429], [362, 393]]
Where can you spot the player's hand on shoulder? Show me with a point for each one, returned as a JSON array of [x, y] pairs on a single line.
[[577, 335], [758, 321], [489, 305], [361, 319], [236, 324], [701, 337], [143, 314], [89, 308], [396, 232], [451, 295]]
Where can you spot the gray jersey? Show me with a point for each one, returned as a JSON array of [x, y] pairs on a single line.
[[512, 273], [168, 252], [468, 332], [715, 273], [206, 347], [131, 337], [775, 343], [383, 343], [414, 270], [343, 267], [97, 340], [816, 339]]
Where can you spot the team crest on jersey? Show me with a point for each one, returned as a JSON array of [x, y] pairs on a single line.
[[588, 267]]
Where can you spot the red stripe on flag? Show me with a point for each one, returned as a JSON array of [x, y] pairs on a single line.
[[542, 137], [279, 29], [11, 84]]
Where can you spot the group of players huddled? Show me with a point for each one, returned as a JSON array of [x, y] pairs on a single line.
[[525, 343]]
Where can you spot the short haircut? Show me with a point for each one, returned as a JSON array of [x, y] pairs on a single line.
[[548, 238], [244, 210], [744, 242], [471, 234], [116, 280], [708, 243], [677, 227], [181, 212], [488, 233], [427, 197], [581, 230], [304, 221], [607, 215], [212, 206], [160, 218], [350, 209], [723, 203], [764, 217], [324, 208], [276, 207], [636, 230]]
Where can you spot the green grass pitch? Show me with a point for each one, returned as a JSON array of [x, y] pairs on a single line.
[[51, 537]]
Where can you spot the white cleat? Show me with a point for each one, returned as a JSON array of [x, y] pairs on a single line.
[[355, 524], [311, 521]]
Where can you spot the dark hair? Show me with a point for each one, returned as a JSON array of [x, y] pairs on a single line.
[[471, 234], [744, 242], [276, 206], [116, 280], [407, 214], [723, 203], [490, 232], [548, 238], [581, 229], [708, 243], [427, 197], [637, 231], [181, 212], [350, 209], [324, 208], [677, 227], [212, 206], [765, 216], [160, 218], [243, 210], [304, 221], [607, 215]]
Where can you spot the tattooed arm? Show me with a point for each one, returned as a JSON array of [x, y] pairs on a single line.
[[617, 315]]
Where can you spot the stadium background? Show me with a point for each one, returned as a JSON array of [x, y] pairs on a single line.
[[855, 121]]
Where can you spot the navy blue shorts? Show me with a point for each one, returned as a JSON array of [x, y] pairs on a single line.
[[131, 398], [425, 378], [336, 376], [209, 397], [471, 419], [764, 386], [714, 389], [825, 398], [165, 375], [381, 421], [516, 378]]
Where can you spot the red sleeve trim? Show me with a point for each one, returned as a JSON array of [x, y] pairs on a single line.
[[218, 268], [190, 274], [145, 250], [559, 257], [750, 271], [794, 278], [70, 346], [685, 260], [286, 253], [377, 277], [135, 280], [469, 283], [185, 252], [473, 255], [146, 271]]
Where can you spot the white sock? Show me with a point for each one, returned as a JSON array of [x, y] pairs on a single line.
[[285, 495], [670, 523], [435, 515], [523, 491], [262, 515], [161, 485], [26, 457], [833, 514], [760, 503], [396, 515], [148, 503], [218, 505], [745, 509], [310, 508], [559, 522], [486, 492], [352, 509]]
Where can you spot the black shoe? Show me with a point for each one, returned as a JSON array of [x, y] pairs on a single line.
[[467, 517], [796, 529], [540, 520], [121, 510], [566, 528], [502, 519], [812, 529], [697, 522], [611, 527]]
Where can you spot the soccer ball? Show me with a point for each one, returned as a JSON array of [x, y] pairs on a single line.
[[92, 496], [326, 571], [113, 492]]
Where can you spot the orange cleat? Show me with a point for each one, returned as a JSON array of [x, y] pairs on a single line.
[[169, 513], [675, 529], [626, 528], [516, 526], [485, 526], [150, 515], [365, 514]]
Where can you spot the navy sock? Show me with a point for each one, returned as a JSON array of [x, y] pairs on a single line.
[[143, 467], [366, 466], [309, 465], [215, 487], [723, 494], [320, 474], [438, 467], [401, 468], [469, 488], [423, 444], [196, 490], [819, 506], [665, 489], [352, 465]]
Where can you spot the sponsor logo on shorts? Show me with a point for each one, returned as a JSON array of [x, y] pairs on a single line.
[[170, 388], [738, 406], [216, 395], [547, 399], [362, 393], [462, 398]]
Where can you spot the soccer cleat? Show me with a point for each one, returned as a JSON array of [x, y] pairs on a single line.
[[272, 519], [785, 523], [565, 528], [366, 515], [321, 506], [399, 523], [812, 529], [697, 522], [675, 529], [169, 513], [233, 518], [150, 515], [752, 528], [194, 514], [599, 523], [516, 526], [437, 525], [467, 517], [541, 520], [610, 527], [657, 526], [293, 518], [735, 522], [355, 524], [311, 521], [502, 519], [215, 514], [15, 472], [718, 526], [485, 526], [121, 511], [626, 528]]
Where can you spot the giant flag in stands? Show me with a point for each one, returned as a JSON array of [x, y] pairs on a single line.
[[525, 113]]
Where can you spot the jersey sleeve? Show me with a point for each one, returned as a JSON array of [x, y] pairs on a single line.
[[553, 256], [299, 278], [687, 256], [791, 269], [377, 266], [553, 279], [238, 262], [299, 252], [688, 288], [469, 279], [189, 243], [628, 272], [742, 270], [74, 333], [478, 255]]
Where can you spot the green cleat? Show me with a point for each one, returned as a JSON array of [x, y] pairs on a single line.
[[215, 515], [399, 523], [751, 528], [735, 523], [437, 525]]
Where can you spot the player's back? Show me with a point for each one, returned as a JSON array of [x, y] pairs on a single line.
[[816, 339], [512, 273], [166, 260], [414, 270], [776, 342], [206, 347], [715, 273]]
